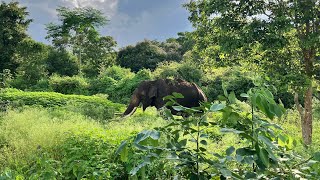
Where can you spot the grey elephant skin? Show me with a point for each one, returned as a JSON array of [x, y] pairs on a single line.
[[151, 93]]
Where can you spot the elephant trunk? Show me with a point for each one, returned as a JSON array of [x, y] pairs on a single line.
[[134, 103]]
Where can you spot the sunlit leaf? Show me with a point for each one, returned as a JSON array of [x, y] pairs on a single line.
[[217, 107]]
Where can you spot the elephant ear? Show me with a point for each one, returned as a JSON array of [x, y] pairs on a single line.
[[152, 92]]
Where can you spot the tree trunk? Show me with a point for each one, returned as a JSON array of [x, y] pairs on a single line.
[[306, 122]]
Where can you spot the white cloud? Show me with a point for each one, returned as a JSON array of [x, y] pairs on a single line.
[[108, 7]]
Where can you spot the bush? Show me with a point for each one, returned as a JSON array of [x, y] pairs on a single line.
[[92, 106], [167, 70], [233, 80], [69, 85], [108, 79], [117, 73], [101, 85], [42, 85], [260, 149], [62, 62], [146, 54], [190, 72], [122, 91], [187, 71]]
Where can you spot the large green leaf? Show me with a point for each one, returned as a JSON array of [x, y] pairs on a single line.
[[230, 150], [266, 141], [263, 155], [123, 151], [232, 98], [137, 168], [217, 107]]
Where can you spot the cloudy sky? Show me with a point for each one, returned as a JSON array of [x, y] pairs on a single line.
[[130, 20]]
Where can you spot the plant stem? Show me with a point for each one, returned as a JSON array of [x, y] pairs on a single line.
[[198, 134], [252, 130]]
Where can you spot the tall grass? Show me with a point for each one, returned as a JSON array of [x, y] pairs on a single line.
[[22, 133]]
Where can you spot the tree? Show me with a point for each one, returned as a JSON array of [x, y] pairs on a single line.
[[271, 27], [13, 27], [61, 62], [78, 32], [186, 40], [146, 54], [99, 53], [31, 57]]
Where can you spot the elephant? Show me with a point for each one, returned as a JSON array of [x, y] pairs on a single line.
[[151, 93]]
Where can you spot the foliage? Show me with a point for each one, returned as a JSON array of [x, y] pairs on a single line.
[[69, 85], [5, 78], [187, 71], [186, 40], [172, 50], [146, 54], [124, 88], [13, 28], [56, 144], [87, 157], [23, 133], [94, 107], [167, 70], [31, 56], [78, 30], [265, 152], [116, 72], [233, 79], [273, 35], [98, 54], [61, 62], [190, 72]]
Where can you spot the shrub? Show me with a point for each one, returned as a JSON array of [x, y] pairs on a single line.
[[262, 149], [42, 85], [69, 85], [190, 72], [122, 91], [92, 106], [167, 70], [62, 62], [187, 71], [146, 54], [101, 85], [233, 80], [117, 73]]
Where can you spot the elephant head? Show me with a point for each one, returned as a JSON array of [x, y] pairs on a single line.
[[146, 94]]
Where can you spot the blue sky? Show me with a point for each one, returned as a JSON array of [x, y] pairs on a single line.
[[131, 21]]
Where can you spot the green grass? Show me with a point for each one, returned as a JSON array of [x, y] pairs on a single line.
[[22, 133]]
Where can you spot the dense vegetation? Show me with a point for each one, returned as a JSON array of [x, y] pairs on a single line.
[[60, 104]]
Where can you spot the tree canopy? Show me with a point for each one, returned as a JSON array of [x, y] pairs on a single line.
[[264, 29], [13, 27], [78, 32]]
